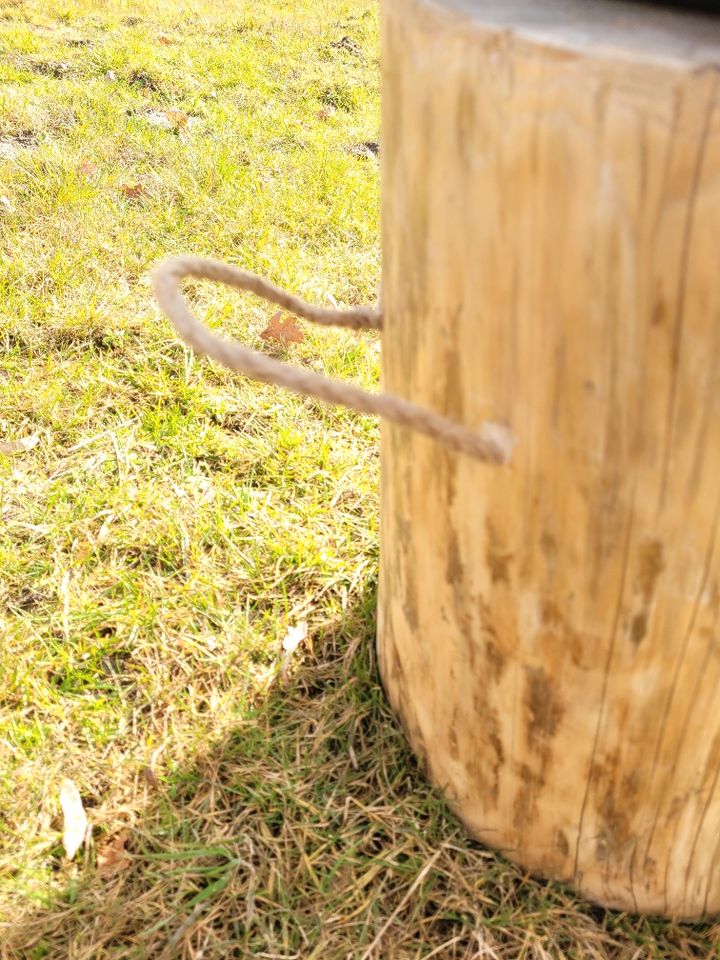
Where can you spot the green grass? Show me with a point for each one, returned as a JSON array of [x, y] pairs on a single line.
[[174, 519]]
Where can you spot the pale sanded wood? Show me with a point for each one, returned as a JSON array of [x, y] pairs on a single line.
[[549, 631]]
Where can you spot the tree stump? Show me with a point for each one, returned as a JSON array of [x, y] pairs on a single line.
[[549, 631]]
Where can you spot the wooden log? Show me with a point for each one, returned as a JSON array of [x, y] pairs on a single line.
[[549, 632]]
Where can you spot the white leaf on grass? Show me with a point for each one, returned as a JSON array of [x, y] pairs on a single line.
[[19, 446], [293, 638], [75, 821]]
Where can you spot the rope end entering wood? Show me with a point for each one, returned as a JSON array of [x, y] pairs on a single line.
[[500, 439]]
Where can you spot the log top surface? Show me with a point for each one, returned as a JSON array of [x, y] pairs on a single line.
[[644, 31]]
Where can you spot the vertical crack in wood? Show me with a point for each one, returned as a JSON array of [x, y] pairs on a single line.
[[606, 678]]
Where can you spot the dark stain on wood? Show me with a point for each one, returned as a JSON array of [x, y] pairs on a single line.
[[601, 848], [495, 659], [550, 614], [631, 784], [454, 570], [548, 545], [396, 669], [493, 654], [561, 842], [651, 566], [553, 620], [615, 809], [525, 804], [490, 749], [410, 602], [496, 744], [659, 314], [638, 629], [486, 617], [498, 559], [544, 711]]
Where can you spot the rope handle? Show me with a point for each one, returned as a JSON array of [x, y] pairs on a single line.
[[492, 443]]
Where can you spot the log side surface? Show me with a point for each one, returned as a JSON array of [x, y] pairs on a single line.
[[548, 632]]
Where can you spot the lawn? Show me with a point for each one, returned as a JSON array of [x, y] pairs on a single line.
[[165, 523]]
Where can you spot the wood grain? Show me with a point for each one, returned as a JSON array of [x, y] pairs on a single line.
[[549, 631]]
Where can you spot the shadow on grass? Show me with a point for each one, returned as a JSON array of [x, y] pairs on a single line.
[[308, 831]]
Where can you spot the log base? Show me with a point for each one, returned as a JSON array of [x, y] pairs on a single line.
[[549, 632]]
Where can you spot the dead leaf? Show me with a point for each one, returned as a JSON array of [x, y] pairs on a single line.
[[133, 191], [169, 119], [178, 118], [369, 148], [346, 43], [76, 824], [282, 330], [150, 777], [112, 858], [165, 40], [19, 446], [87, 168]]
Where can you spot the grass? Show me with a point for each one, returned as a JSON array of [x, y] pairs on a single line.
[[174, 520]]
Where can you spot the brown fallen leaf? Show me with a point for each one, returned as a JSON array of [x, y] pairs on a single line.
[[10, 447], [87, 168], [112, 857], [75, 821], [169, 119], [150, 777], [282, 330], [347, 44], [178, 118], [133, 191]]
